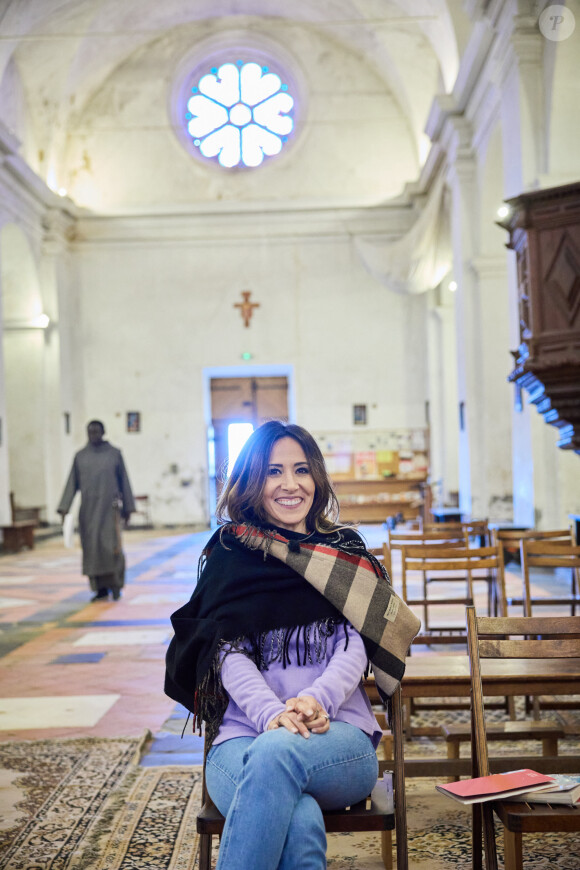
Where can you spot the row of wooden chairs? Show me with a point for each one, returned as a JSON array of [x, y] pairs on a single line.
[[451, 551]]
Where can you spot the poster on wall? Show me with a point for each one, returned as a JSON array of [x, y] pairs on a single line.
[[359, 415], [338, 463], [133, 421], [375, 454], [365, 465], [387, 463]]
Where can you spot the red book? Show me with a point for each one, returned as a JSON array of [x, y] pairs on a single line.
[[495, 787]]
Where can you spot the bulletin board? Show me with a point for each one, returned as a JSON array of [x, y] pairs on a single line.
[[375, 454]]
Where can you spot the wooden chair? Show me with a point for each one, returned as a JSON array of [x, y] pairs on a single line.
[[494, 637], [549, 554], [374, 814], [396, 540], [470, 529], [459, 563], [143, 510], [510, 539]]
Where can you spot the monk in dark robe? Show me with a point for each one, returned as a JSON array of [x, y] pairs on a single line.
[[99, 473]]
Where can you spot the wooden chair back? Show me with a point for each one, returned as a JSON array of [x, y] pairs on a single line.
[[397, 540], [526, 637], [510, 538], [517, 535], [469, 528], [549, 554], [373, 814], [443, 527], [459, 563]]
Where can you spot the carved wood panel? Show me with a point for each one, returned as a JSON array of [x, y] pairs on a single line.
[[544, 228]]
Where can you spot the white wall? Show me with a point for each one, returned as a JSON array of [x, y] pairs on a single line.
[[154, 315]]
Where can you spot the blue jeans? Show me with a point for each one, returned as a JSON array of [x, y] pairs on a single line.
[[271, 789]]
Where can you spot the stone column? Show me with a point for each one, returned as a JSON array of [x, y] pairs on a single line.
[[461, 178], [442, 373], [60, 362], [482, 345]]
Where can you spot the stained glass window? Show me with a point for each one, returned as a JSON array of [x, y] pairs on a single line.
[[240, 113]]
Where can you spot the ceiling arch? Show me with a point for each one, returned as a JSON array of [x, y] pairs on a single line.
[[65, 50]]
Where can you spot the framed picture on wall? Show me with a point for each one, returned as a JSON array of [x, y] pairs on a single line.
[[133, 421], [359, 415]]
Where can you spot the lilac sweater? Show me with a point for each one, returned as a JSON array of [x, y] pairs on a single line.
[[257, 697]]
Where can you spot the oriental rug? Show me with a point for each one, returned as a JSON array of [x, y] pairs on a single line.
[[52, 792], [89, 807], [154, 829]]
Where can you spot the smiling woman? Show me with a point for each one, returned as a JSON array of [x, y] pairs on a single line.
[[270, 650]]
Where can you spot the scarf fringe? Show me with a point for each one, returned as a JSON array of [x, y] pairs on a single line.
[[211, 699]]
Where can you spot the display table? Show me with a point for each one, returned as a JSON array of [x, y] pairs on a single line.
[[373, 500]]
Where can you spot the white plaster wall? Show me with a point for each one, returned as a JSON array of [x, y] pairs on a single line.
[[24, 353], [5, 513], [24, 362], [153, 316], [352, 142]]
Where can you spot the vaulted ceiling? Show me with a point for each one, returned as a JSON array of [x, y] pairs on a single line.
[[59, 57]]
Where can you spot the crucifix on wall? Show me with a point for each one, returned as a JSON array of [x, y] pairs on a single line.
[[246, 307]]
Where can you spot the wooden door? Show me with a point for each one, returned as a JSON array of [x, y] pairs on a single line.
[[243, 400]]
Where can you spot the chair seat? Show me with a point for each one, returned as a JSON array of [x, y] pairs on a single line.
[[538, 818], [373, 814]]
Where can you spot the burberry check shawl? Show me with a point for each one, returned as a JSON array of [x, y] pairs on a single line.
[[359, 588], [252, 581]]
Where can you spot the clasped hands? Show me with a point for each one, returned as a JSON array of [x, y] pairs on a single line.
[[302, 715]]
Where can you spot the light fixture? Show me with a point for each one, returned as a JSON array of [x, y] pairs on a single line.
[[246, 355], [452, 286], [41, 321], [503, 211]]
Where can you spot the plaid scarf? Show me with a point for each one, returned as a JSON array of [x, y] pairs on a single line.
[[252, 582], [351, 582]]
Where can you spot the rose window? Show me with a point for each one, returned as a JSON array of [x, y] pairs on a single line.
[[239, 113]]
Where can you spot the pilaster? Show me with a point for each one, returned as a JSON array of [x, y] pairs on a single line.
[[61, 363]]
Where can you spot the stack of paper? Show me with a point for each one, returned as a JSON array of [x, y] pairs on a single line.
[[564, 790]]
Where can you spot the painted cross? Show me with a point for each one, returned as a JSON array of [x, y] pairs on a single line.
[[246, 307]]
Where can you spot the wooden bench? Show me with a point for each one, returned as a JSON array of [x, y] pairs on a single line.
[[20, 532], [18, 535]]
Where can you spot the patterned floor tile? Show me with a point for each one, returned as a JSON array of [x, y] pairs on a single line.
[[17, 714]]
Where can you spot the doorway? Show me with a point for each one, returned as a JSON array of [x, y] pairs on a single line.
[[238, 405]]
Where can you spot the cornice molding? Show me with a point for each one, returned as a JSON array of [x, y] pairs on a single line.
[[24, 197], [388, 222]]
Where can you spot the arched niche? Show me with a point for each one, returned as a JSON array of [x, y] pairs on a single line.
[[24, 351]]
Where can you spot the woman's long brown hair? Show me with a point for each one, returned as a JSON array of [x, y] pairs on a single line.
[[241, 500]]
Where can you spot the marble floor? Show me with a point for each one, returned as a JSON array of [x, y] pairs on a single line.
[[70, 667]]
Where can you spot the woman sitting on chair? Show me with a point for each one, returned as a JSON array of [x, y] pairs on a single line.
[[270, 651]]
